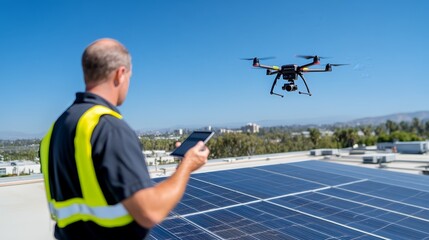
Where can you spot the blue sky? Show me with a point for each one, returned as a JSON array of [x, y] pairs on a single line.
[[186, 59]]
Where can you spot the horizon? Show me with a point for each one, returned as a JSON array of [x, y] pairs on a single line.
[[13, 135], [186, 59]]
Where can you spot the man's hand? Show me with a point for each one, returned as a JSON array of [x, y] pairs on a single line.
[[195, 157], [150, 206]]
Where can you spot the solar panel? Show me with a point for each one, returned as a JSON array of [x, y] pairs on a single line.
[[301, 200], [419, 182]]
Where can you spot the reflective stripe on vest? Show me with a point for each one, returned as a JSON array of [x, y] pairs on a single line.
[[93, 205]]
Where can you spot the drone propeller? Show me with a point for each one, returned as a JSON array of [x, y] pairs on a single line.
[[338, 64], [329, 66], [262, 58], [256, 60], [310, 56]]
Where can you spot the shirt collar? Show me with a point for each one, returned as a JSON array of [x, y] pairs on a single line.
[[87, 97]]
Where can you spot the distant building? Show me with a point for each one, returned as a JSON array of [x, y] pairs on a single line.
[[224, 130], [179, 132], [416, 147], [251, 128], [157, 157], [150, 161], [326, 132], [305, 134], [19, 168]]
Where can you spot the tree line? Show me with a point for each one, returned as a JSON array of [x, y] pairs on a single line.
[[268, 140], [302, 138]]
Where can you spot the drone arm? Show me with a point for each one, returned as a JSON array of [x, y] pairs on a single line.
[[328, 68], [274, 84], [305, 66], [315, 62], [314, 70], [303, 79], [269, 67]]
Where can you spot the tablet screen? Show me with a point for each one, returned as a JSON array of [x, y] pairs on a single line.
[[191, 141]]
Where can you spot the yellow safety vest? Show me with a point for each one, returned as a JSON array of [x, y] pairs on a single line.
[[93, 205]]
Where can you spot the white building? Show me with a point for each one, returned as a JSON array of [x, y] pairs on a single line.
[[251, 128], [154, 157], [414, 147], [224, 130], [19, 168]]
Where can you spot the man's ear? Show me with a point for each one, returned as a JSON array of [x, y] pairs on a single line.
[[119, 76]]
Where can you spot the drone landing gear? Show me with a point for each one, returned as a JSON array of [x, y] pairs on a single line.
[[289, 86], [306, 86], [274, 84], [277, 94], [309, 94]]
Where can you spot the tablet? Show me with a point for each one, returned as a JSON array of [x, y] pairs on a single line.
[[191, 141]]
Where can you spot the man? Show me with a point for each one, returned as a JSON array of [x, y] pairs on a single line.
[[97, 182]]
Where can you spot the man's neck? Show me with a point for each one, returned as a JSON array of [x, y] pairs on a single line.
[[103, 90]]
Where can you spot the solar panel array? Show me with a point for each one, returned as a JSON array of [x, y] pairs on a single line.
[[301, 200]]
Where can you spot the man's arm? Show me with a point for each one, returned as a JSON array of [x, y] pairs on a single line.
[[150, 206]]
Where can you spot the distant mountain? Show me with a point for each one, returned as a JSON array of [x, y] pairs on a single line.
[[312, 121], [397, 117]]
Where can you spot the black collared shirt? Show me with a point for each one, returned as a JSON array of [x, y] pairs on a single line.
[[119, 164]]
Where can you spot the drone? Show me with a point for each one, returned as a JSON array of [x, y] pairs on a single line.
[[290, 72]]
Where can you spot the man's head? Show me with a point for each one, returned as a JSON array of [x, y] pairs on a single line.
[[107, 62]]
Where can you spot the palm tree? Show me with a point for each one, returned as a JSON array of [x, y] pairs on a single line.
[[391, 126], [416, 127], [314, 136]]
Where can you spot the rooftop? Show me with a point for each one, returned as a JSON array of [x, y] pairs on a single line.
[[23, 199]]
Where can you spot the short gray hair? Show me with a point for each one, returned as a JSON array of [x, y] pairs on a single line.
[[99, 60]]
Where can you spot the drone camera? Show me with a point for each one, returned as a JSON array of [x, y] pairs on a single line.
[[290, 87]]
